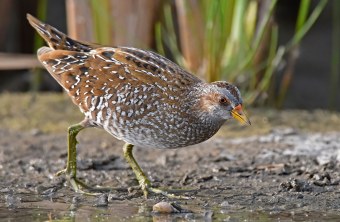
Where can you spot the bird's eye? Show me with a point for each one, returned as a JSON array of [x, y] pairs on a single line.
[[223, 100]]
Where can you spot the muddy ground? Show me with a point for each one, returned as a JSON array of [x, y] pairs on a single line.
[[286, 166]]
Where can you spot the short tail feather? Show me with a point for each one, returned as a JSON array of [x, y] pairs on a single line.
[[56, 39]]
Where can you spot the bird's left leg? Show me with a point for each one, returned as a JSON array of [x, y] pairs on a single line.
[[143, 181]]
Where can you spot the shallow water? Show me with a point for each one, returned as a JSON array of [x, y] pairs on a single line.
[[122, 211], [31, 207]]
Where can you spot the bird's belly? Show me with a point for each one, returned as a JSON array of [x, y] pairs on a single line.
[[162, 128], [164, 137], [164, 140]]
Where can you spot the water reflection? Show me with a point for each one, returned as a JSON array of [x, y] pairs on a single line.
[[52, 211]]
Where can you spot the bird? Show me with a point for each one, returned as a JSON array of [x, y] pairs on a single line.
[[137, 96]]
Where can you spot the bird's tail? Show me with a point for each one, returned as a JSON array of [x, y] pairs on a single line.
[[56, 39]]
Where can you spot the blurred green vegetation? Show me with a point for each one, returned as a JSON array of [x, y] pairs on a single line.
[[101, 21], [233, 40], [239, 43], [38, 42]]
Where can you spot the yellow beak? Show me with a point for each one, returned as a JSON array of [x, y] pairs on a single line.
[[240, 116]]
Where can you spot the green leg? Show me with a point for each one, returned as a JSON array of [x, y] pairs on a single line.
[[71, 168], [143, 181], [73, 131]]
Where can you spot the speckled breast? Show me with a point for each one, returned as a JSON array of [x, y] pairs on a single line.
[[149, 116]]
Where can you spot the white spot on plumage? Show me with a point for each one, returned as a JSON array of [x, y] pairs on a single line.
[[121, 121], [108, 96], [93, 103], [126, 69], [100, 103], [77, 77], [99, 116], [130, 113], [85, 100]]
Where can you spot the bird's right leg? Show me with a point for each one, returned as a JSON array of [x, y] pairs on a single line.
[[71, 167]]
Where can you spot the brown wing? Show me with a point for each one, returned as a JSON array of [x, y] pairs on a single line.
[[103, 72]]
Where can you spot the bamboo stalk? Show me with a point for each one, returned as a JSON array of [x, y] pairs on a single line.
[[134, 22], [113, 22], [79, 20], [191, 32]]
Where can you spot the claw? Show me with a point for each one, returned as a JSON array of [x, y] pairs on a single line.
[[78, 184], [60, 172]]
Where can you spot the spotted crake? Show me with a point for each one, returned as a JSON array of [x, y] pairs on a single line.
[[135, 95]]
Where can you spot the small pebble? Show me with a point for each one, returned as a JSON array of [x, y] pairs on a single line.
[[168, 208], [164, 208]]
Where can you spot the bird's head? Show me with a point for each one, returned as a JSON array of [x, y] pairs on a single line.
[[223, 101]]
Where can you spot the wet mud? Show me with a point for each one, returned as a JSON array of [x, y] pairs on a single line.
[[285, 166]]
